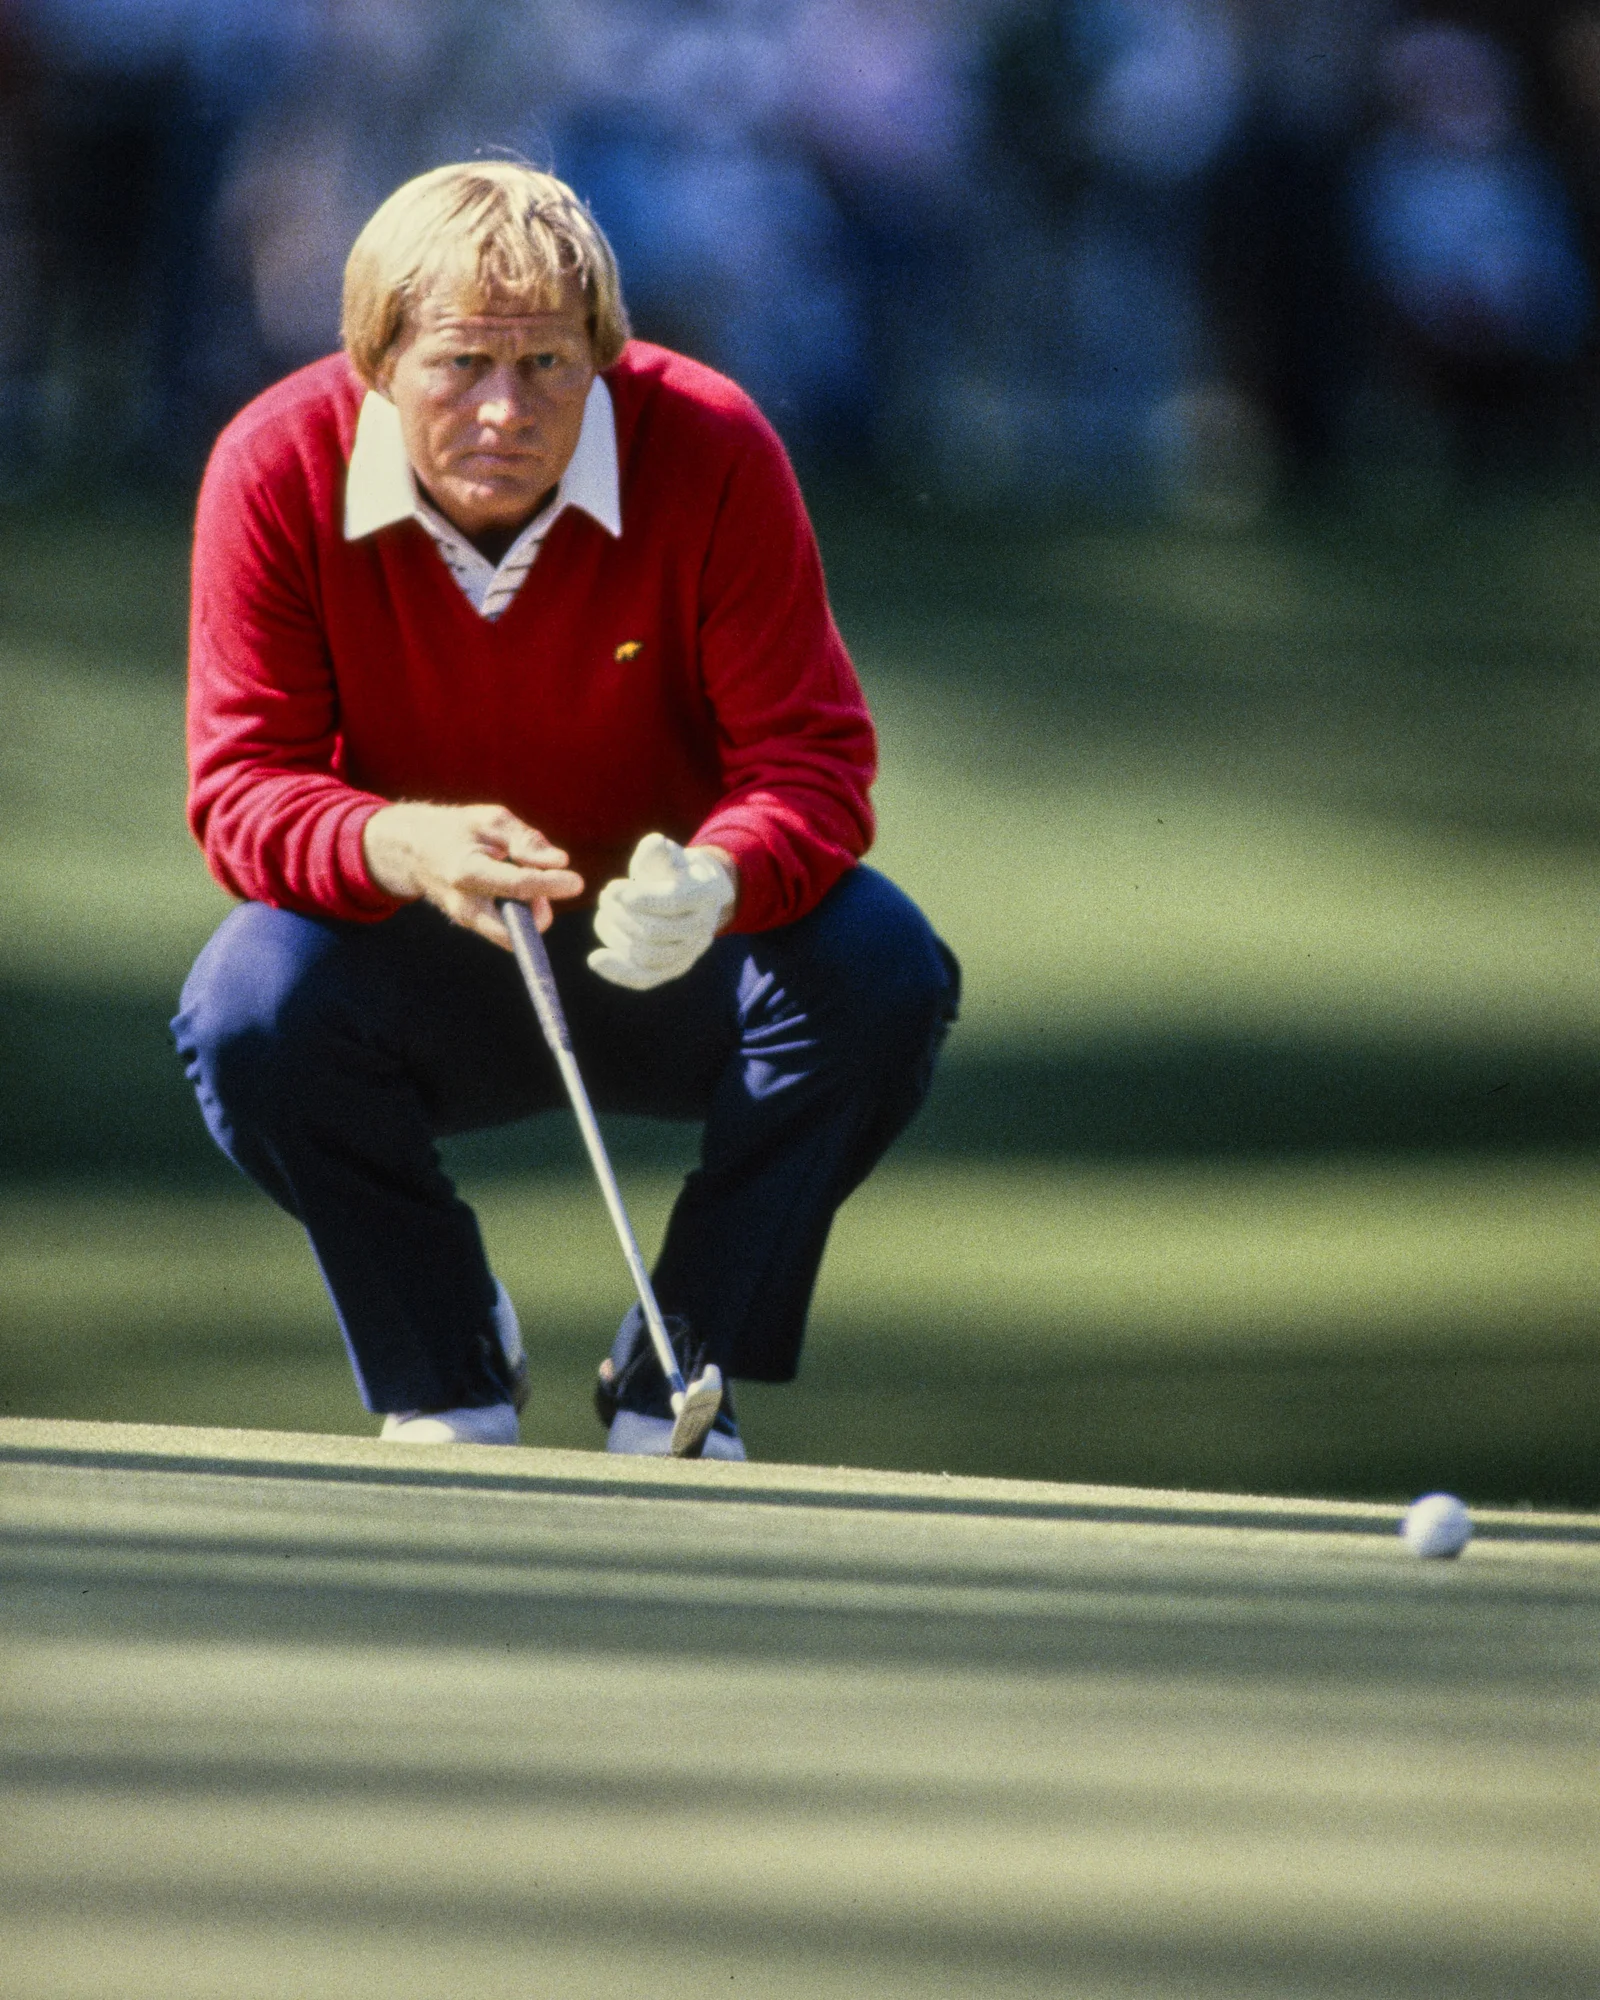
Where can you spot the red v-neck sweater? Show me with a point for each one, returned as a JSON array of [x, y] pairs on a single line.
[[684, 679]]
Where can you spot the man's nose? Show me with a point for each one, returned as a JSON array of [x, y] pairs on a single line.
[[506, 399]]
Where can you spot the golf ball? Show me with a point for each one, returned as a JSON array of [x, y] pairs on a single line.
[[1436, 1525]]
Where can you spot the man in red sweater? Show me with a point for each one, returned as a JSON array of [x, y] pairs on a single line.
[[500, 603]]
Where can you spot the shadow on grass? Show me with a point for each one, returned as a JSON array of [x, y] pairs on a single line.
[[92, 1086], [1498, 1429]]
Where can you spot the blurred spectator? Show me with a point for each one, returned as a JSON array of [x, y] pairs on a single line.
[[1575, 59], [731, 246], [387, 89], [1283, 275], [882, 95], [1575, 53], [20, 302], [1469, 240], [137, 105], [1109, 119]]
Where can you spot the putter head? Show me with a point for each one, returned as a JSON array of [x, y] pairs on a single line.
[[695, 1411]]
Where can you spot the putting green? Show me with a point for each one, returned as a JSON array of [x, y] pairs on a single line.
[[287, 1716]]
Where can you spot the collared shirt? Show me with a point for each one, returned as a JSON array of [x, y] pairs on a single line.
[[381, 488]]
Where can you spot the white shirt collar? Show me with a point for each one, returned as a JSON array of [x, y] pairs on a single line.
[[380, 487]]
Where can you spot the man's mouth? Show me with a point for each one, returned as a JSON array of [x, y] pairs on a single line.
[[496, 465]]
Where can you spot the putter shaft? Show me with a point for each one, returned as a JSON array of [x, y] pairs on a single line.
[[534, 962]]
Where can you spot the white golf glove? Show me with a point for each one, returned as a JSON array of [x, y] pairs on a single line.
[[656, 921]]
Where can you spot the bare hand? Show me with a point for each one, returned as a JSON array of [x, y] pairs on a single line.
[[464, 859]]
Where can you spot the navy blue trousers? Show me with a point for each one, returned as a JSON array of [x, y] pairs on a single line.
[[328, 1057]]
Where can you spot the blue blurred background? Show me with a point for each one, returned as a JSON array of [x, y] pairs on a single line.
[[1007, 249], [1197, 400]]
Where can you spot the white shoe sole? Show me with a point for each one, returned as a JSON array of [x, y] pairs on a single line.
[[497, 1424], [651, 1437]]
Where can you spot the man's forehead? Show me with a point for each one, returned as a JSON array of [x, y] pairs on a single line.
[[447, 313], [448, 324]]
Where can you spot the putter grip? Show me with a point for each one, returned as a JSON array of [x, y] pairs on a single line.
[[540, 980]]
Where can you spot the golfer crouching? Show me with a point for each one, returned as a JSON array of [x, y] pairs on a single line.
[[501, 604]]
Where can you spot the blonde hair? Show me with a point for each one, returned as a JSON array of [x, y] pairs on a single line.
[[482, 232]]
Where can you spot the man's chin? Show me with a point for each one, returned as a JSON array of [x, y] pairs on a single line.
[[488, 504]]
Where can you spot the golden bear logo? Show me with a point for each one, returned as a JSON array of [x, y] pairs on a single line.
[[630, 649]]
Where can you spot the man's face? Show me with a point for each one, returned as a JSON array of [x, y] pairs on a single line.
[[491, 404]]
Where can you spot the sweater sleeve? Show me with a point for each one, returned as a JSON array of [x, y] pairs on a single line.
[[276, 822], [794, 739]]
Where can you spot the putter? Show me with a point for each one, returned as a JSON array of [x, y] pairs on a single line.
[[694, 1404]]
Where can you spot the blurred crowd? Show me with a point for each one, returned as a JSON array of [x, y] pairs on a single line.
[[1005, 249]]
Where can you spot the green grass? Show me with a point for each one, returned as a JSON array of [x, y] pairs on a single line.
[[1263, 855], [1350, 1328]]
